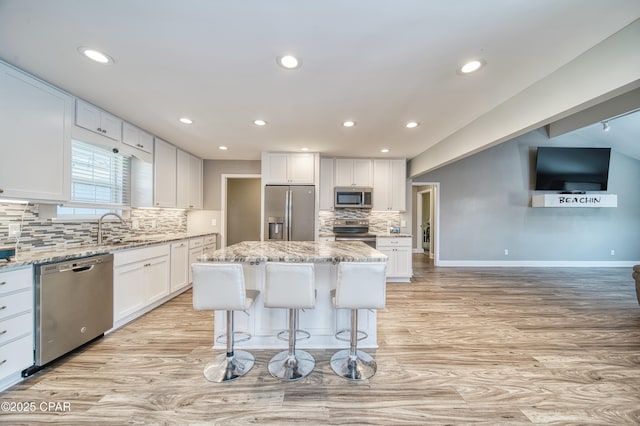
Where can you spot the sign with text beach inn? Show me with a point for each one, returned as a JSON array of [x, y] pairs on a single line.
[[575, 200]]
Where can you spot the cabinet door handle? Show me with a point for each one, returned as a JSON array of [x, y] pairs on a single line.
[[1, 190], [99, 129], [3, 307], [140, 145], [104, 131], [3, 361], [3, 282], [3, 332]]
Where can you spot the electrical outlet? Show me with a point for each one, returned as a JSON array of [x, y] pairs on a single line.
[[214, 222], [14, 230], [613, 252], [506, 252], [154, 224]]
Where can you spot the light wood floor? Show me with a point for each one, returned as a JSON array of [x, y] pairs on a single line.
[[457, 346]]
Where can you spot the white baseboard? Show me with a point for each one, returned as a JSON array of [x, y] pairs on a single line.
[[539, 263]]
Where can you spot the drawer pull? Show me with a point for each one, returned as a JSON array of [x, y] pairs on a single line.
[[3, 282], [3, 361], [3, 307], [3, 332]]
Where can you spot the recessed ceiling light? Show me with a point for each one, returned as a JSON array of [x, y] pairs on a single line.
[[304, 149], [384, 150], [223, 148], [259, 122], [96, 55], [471, 66], [349, 123], [289, 62], [185, 120], [412, 124]]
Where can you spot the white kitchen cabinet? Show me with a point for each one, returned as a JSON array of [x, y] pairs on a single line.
[[288, 168], [196, 247], [164, 174], [182, 179], [16, 324], [398, 250], [195, 182], [209, 244], [141, 277], [189, 181], [326, 184], [353, 172], [96, 120], [389, 185], [36, 122], [137, 138], [179, 265]]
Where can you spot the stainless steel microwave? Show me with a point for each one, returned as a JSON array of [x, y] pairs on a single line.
[[353, 197]]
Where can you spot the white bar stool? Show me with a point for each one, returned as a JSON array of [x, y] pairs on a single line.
[[360, 285], [220, 286], [290, 286]]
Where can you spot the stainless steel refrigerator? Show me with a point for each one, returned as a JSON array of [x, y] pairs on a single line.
[[289, 213]]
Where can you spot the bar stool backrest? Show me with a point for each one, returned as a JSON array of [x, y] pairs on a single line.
[[218, 286], [289, 285], [361, 285]]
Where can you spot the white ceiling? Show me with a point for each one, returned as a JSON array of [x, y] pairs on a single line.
[[378, 62]]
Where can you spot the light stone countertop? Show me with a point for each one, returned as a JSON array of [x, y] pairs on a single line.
[[297, 251], [56, 254]]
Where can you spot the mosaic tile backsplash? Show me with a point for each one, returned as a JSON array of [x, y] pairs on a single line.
[[40, 233], [379, 222]]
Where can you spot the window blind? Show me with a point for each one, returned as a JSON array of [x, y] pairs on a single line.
[[99, 176]]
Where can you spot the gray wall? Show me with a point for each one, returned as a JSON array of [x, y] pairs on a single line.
[[485, 208], [212, 171]]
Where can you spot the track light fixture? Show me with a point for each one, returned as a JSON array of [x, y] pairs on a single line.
[[605, 126]]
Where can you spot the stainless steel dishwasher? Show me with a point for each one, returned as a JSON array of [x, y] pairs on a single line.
[[74, 304]]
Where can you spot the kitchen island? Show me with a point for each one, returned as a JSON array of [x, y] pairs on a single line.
[[323, 321]]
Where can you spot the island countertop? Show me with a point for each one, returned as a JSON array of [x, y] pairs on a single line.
[[297, 251]]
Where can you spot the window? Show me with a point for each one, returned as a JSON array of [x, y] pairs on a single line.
[[99, 181]]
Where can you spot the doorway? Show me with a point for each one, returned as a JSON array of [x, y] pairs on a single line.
[[240, 209], [425, 222]]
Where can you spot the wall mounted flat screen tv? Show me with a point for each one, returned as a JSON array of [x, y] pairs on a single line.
[[572, 169]]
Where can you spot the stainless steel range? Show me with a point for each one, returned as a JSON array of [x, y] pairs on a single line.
[[353, 230]]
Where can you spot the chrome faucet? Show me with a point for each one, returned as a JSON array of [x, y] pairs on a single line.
[[100, 223]]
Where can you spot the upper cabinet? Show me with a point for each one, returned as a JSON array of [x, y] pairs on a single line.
[[389, 184], [137, 138], [164, 174], [195, 182], [189, 181], [98, 121], [36, 123], [353, 172], [289, 168], [326, 184]]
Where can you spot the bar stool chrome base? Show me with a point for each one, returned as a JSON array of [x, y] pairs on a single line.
[[288, 367], [360, 367], [227, 368]]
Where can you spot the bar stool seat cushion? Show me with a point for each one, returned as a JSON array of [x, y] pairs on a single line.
[[289, 285], [220, 286], [361, 285]]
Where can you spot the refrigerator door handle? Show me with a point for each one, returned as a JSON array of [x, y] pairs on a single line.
[[287, 215]]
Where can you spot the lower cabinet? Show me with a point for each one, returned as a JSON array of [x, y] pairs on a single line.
[[398, 249], [16, 324], [140, 278], [196, 246], [179, 265]]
